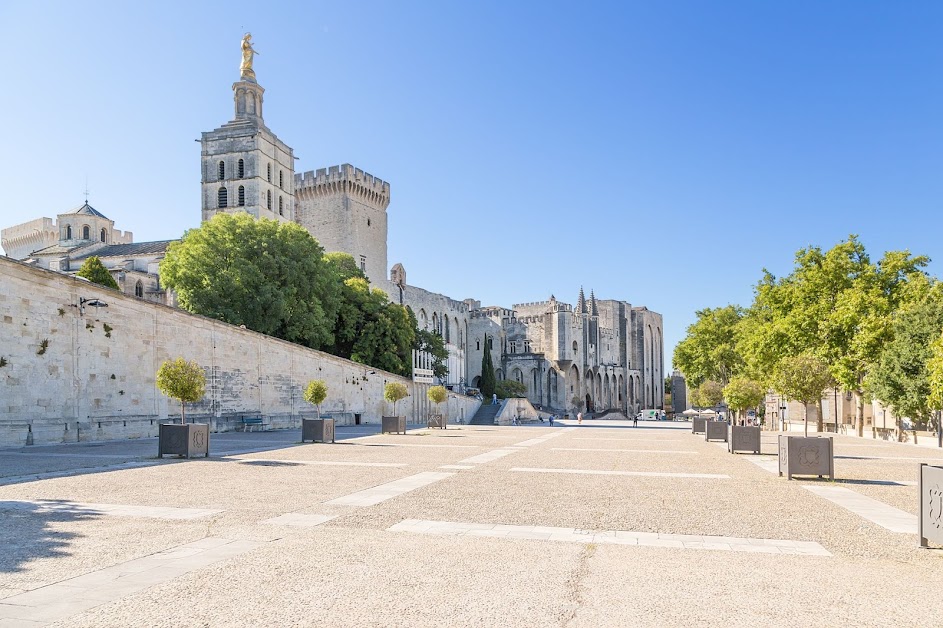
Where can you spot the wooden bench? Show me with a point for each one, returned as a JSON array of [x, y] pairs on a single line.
[[252, 421]]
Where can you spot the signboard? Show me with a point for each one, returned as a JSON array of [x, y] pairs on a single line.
[[422, 376]]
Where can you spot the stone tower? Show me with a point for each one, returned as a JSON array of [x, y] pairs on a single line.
[[344, 208], [245, 166]]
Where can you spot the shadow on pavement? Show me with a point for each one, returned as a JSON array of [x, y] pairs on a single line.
[[29, 531]]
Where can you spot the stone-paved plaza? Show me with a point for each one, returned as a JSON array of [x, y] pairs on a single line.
[[599, 524]]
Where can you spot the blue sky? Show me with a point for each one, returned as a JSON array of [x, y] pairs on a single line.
[[657, 152]]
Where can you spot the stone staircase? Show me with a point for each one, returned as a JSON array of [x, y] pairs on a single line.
[[486, 414]]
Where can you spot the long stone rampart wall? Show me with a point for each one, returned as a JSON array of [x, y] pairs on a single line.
[[72, 372]]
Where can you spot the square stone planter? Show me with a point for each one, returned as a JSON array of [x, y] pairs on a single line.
[[191, 439], [743, 438], [437, 420], [697, 425], [930, 521], [806, 455], [715, 430], [394, 424], [317, 430]]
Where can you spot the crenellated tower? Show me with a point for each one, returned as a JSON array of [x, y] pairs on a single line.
[[245, 167], [344, 208]]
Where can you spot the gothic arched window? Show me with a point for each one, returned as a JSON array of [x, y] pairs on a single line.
[[221, 171], [103, 235], [242, 196], [222, 198], [68, 232], [268, 172], [268, 199], [86, 233], [139, 289], [281, 206], [281, 179], [241, 169]]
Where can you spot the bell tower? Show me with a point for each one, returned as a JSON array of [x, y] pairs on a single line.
[[245, 167]]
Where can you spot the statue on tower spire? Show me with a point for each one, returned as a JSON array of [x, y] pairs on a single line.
[[245, 68]]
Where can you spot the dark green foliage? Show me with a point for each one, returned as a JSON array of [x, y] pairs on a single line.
[[508, 388], [487, 384], [43, 346], [271, 277], [95, 271], [432, 343]]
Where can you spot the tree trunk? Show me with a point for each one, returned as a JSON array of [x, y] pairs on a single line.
[[820, 422], [806, 419], [859, 411], [183, 412]]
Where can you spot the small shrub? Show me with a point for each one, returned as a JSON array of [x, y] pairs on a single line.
[[43, 346], [3, 362]]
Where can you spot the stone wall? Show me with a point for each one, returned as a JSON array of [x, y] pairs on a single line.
[[75, 373]]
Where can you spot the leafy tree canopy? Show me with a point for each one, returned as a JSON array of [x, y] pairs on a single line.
[[269, 276], [93, 270], [708, 394], [709, 350], [935, 374], [393, 392], [487, 384], [437, 394], [508, 388], [802, 377], [432, 343], [743, 393], [315, 393], [182, 380]]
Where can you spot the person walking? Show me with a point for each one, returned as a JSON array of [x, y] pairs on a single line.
[[494, 399], [551, 420], [579, 418], [635, 420]]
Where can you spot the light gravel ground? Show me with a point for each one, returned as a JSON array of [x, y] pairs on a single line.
[[350, 571]]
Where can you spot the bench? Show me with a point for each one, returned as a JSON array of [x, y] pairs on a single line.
[[252, 421]]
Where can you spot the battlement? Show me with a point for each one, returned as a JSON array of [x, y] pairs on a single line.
[[343, 178]]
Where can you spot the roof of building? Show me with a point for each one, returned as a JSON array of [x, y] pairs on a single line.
[[57, 249], [126, 250], [88, 210]]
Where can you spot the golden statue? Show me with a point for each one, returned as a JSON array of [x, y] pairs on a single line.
[[245, 68]]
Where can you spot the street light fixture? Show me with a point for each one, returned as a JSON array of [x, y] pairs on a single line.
[[90, 303]]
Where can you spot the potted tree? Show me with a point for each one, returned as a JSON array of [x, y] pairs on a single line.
[[185, 381], [393, 392], [742, 393], [437, 394], [319, 429]]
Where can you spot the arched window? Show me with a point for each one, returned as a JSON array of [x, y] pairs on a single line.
[[68, 232], [86, 233], [281, 179], [268, 199], [103, 235], [242, 196], [268, 172], [281, 206], [241, 169], [221, 171], [139, 289], [222, 199]]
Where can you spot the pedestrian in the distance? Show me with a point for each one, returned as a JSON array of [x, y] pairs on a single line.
[[579, 418], [494, 399], [635, 421], [551, 420]]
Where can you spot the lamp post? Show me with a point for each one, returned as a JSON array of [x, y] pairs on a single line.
[[835, 401]]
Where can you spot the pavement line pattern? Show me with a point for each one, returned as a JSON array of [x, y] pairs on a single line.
[[634, 451], [298, 519], [542, 439], [488, 456], [328, 463], [75, 595], [612, 537], [457, 467], [383, 492], [874, 511], [650, 474], [767, 463], [635, 440], [420, 445], [114, 510]]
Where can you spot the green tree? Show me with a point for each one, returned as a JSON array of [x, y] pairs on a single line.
[[93, 270], [487, 383], [269, 276], [935, 379], [708, 394], [315, 393], [804, 378], [432, 343], [743, 393], [508, 388], [182, 380], [393, 392], [901, 378], [437, 394], [709, 350]]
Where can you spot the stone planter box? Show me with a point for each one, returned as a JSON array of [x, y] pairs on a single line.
[[394, 424], [317, 430], [697, 425], [930, 521], [437, 420], [191, 439], [806, 455], [743, 438], [715, 430]]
